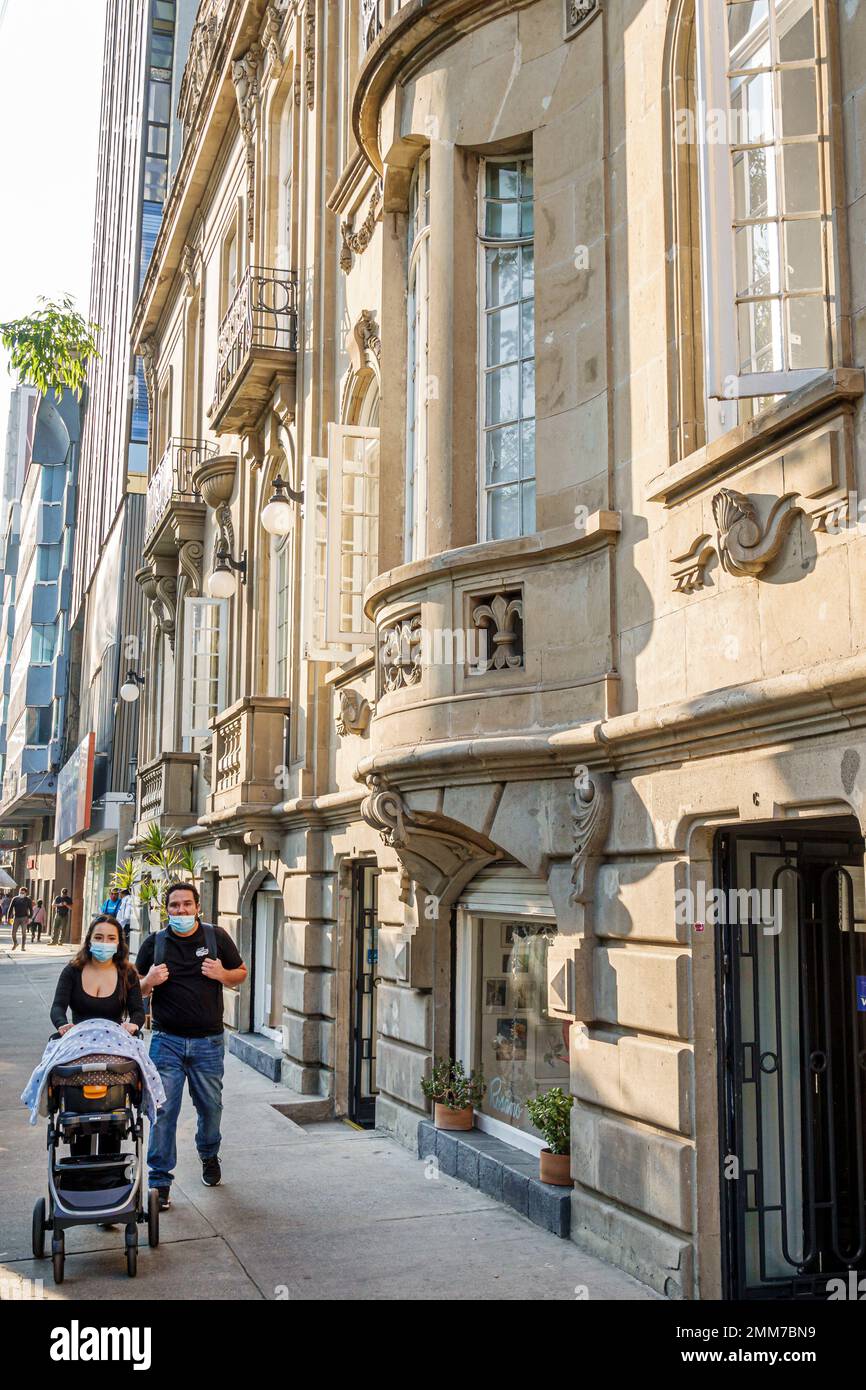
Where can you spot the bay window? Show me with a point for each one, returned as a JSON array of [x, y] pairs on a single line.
[[762, 148], [507, 350]]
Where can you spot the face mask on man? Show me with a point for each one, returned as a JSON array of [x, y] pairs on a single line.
[[102, 951], [182, 925]]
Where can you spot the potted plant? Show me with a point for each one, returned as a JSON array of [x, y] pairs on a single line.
[[550, 1112], [454, 1094]]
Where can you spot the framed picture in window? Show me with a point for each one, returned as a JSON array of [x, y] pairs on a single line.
[[509, 1043], [551, 1052], [495, 994]]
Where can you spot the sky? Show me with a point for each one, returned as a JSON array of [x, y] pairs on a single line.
[[50, 81]]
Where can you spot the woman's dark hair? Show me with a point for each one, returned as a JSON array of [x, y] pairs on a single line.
[[125, 973], [178, 887]]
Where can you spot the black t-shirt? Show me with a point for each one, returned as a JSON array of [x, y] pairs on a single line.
[[70, 993], [188, 1004], [62, 904], [21, 906]]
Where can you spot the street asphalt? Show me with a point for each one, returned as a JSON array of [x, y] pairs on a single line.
[[318, 1212]]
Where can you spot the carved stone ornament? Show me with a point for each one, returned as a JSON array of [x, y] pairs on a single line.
[[190, 555], [356, 242], [355, 712], [590, 814], [161, 593], [245, 75], [500, 617], [188, 270], [148, 356], [367, 333], [578, 13], [688, 569], [400, 653], [385, 810], [310, 53], [200, 55], [271, 41], [745, 547]]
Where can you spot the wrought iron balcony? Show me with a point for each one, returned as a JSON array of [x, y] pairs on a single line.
[[375, 14], [250, 749], [166, 792], [258, 344], [172, 481]]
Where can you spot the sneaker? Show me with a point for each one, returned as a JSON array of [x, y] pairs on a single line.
[[164, 1198], [211, 1173]]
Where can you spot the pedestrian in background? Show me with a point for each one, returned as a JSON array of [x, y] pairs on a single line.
[[111, 904], [60, 924], [37, 922], [123, 916], [20, 912]]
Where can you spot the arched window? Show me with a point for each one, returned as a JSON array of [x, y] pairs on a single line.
[[761, 129], [417, 392]]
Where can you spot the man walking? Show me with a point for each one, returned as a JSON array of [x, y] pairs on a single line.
[[20, 912], [123, 916], [60, 924], [185, 967]]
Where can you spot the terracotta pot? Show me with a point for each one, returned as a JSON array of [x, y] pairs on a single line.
[[444, 1118], [555, 1168]]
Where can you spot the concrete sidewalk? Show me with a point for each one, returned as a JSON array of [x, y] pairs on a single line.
[[319, 1212]]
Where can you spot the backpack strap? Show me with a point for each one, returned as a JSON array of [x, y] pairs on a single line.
[[162, 936], [159, 946], [210, 938]]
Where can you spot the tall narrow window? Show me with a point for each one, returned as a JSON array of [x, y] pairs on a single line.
[[282, 613], [230, 268], [353, 529], [417, 313], [763, 151], [507, 350], [204, 677]]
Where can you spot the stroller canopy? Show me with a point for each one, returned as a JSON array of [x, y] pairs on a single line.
[[94, 1038]]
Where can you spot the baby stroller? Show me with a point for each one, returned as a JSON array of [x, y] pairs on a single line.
[[94, 1104]]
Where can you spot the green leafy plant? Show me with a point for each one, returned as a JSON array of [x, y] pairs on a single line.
[[448, 1084], [51, 347], [550, 1112], [125, 877], [163, 857]]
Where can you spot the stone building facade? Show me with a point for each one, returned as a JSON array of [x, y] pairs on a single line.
[[546, 311]]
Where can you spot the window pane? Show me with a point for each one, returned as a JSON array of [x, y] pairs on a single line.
[[527, 452], [754, 183], [527, 327], [527, 266], [752, 105], [527, 508], [796, 30], [528, 389], [807, 334], [802, 184], [503, 450], [503, 389], [803, 256], [799, 102], [503, 330], [760, 336], [526, 219], [748, 34], [502, 180], [502, 277], [503, 513], [502, 219], [757, 258], [159, 102]]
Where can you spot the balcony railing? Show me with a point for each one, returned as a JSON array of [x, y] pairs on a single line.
[[172, 481], [258, 339], [375, 14], [250, 750], [166, 792]]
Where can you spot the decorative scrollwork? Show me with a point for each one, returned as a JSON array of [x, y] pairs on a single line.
[[356, 242], [400, 653], [501, 617], [355, 713], [745, 547], [385, 810], [590, 814]]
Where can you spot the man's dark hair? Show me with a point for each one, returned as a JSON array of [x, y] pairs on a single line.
[[177, 887]]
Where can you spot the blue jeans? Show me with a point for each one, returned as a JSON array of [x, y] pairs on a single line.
[[201, 1062]]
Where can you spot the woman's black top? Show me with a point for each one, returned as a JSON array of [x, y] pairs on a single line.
[[70, 992]]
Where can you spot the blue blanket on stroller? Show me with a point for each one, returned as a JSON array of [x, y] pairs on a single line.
[[99, 1037]]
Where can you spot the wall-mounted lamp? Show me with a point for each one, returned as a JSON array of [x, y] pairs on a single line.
[[131, 687], [278, 515], [222, 583]]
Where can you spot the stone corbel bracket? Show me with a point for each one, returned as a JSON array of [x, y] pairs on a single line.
[[355, 713], [434, 852], [355, 243], [689, 569], [745, 546], [570, 965]]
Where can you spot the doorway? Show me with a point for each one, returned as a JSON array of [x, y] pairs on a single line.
[[365, 957], [267, 954], [791, 972]]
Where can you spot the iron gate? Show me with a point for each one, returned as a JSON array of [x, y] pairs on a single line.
[[791, 972], [365, 952]]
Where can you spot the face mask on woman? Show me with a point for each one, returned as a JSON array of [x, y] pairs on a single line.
[[102, 951], [182, 925]]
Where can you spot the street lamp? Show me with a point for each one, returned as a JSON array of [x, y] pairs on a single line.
[[278, 516], [131, 687], [222, 583]]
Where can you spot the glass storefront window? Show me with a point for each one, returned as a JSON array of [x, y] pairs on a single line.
[[521, 1048]]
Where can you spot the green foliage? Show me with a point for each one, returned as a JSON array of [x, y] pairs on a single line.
[[550, 1112], [449, 1084], [163, 858], [125, 876], [51, 347]]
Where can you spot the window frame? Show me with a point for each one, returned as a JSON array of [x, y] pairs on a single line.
[[484, 243], [415, 472], [337, 434], [724, 380], [188, 729]]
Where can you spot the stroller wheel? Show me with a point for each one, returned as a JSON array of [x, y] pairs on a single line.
[[131, 1251], [58, 1256], [39, 1230], [153, 1218]]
